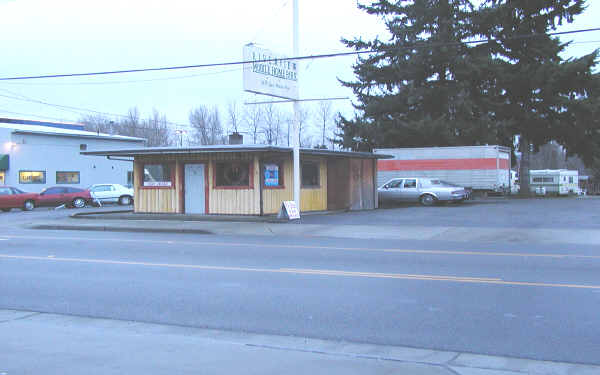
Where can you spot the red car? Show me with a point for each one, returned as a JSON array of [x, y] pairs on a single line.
[[69, 196], [11, 197]]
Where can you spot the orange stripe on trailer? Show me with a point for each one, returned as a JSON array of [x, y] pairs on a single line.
[[441, 164]]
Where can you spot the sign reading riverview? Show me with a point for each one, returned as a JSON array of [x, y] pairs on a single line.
[[275, 77]]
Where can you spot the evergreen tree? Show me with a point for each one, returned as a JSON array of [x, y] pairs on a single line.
[[420, 88], [539, 95]]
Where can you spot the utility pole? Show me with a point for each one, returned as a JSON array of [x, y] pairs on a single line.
[[296, 135]]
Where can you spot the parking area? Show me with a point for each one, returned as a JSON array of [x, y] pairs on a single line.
[[16, 216], [559, 213]]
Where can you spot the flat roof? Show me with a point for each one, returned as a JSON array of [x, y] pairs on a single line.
[[232, 148], [62, 132]]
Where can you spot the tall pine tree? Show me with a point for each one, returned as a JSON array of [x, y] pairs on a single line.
[[539, 95], [420, 87]]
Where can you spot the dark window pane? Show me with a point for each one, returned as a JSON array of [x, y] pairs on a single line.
[[67, 177], [310, 174], [232, 174]]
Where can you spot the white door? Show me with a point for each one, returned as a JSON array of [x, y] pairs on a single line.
[[194, 189]]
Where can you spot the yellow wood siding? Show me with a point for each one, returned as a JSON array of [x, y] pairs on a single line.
[[235, 201], [272, 198], [316, 199]]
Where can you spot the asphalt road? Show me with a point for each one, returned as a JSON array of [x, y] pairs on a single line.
[[538, 301]]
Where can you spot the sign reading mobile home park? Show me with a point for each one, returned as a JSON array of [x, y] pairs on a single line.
[[269, 74]]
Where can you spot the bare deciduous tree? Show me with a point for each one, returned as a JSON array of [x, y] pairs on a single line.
[[324, 117], [234, 116], [253, 115], [303, 127], [207, 126], [271, 126], [154, 129]]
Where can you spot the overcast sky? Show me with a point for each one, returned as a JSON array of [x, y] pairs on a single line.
[[72, 36]]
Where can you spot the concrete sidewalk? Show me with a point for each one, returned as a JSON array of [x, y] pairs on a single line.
[[446, 233], [60, 344]]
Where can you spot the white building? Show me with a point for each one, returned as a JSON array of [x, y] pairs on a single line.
[[38, 154]]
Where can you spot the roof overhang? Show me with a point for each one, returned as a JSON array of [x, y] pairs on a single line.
[[233, 149], [88, 136]]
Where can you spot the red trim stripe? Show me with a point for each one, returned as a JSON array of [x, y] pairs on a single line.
[[440, 164]]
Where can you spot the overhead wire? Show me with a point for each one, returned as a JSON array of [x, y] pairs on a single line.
[[296, 58]]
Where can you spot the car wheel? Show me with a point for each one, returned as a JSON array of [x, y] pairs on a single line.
[[28, 206], [6, 209], [125, 200], [427, 200], [78, 202]]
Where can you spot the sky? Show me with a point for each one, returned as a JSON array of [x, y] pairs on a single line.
[[74, 36]]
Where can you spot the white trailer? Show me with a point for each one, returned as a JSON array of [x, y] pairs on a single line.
[[480, 168], [554, 181]]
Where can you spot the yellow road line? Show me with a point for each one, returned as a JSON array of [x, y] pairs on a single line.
[[310, 247], [300, 271]]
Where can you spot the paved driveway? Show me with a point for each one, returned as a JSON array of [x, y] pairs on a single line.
[[556, 213]]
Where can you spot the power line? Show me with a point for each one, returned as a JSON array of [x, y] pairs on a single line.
[[126, 82], [321, 56], [73, 109]]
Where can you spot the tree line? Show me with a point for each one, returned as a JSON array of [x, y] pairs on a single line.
[[268, 124]]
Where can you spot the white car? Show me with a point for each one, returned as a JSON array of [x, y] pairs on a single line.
[[111, 193]]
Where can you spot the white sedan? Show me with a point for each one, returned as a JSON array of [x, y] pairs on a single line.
[[112, 193]]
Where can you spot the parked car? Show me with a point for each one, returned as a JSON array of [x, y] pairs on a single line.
[[427, 191], [114, 193], [11, 197], [69, 196]]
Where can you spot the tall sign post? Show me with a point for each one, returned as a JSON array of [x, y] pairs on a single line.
[[296, 135], [274, 75]]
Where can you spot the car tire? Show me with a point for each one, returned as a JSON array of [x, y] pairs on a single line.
[[6, 210], [125, 200], [427, 200], [28, 205], [78, 203]]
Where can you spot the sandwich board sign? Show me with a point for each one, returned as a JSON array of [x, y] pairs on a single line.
[[289, 210], [269, 74]]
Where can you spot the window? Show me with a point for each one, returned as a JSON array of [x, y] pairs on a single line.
[[273, 175], [5, 191], [1, 177], [232, 174], [157, 175], [410, 184], [310, 174], [570, 179], [53, 190], [72, 190], [32, 177], [83, 147], [129, 178], [100, 188], [541, 180], [395, 184], [67, 177], [17, 191]]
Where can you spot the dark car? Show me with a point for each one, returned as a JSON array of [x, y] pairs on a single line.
[[11, 197], [69, 196]]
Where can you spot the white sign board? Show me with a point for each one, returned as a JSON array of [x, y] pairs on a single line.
[[289, 209], [276, 77]]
